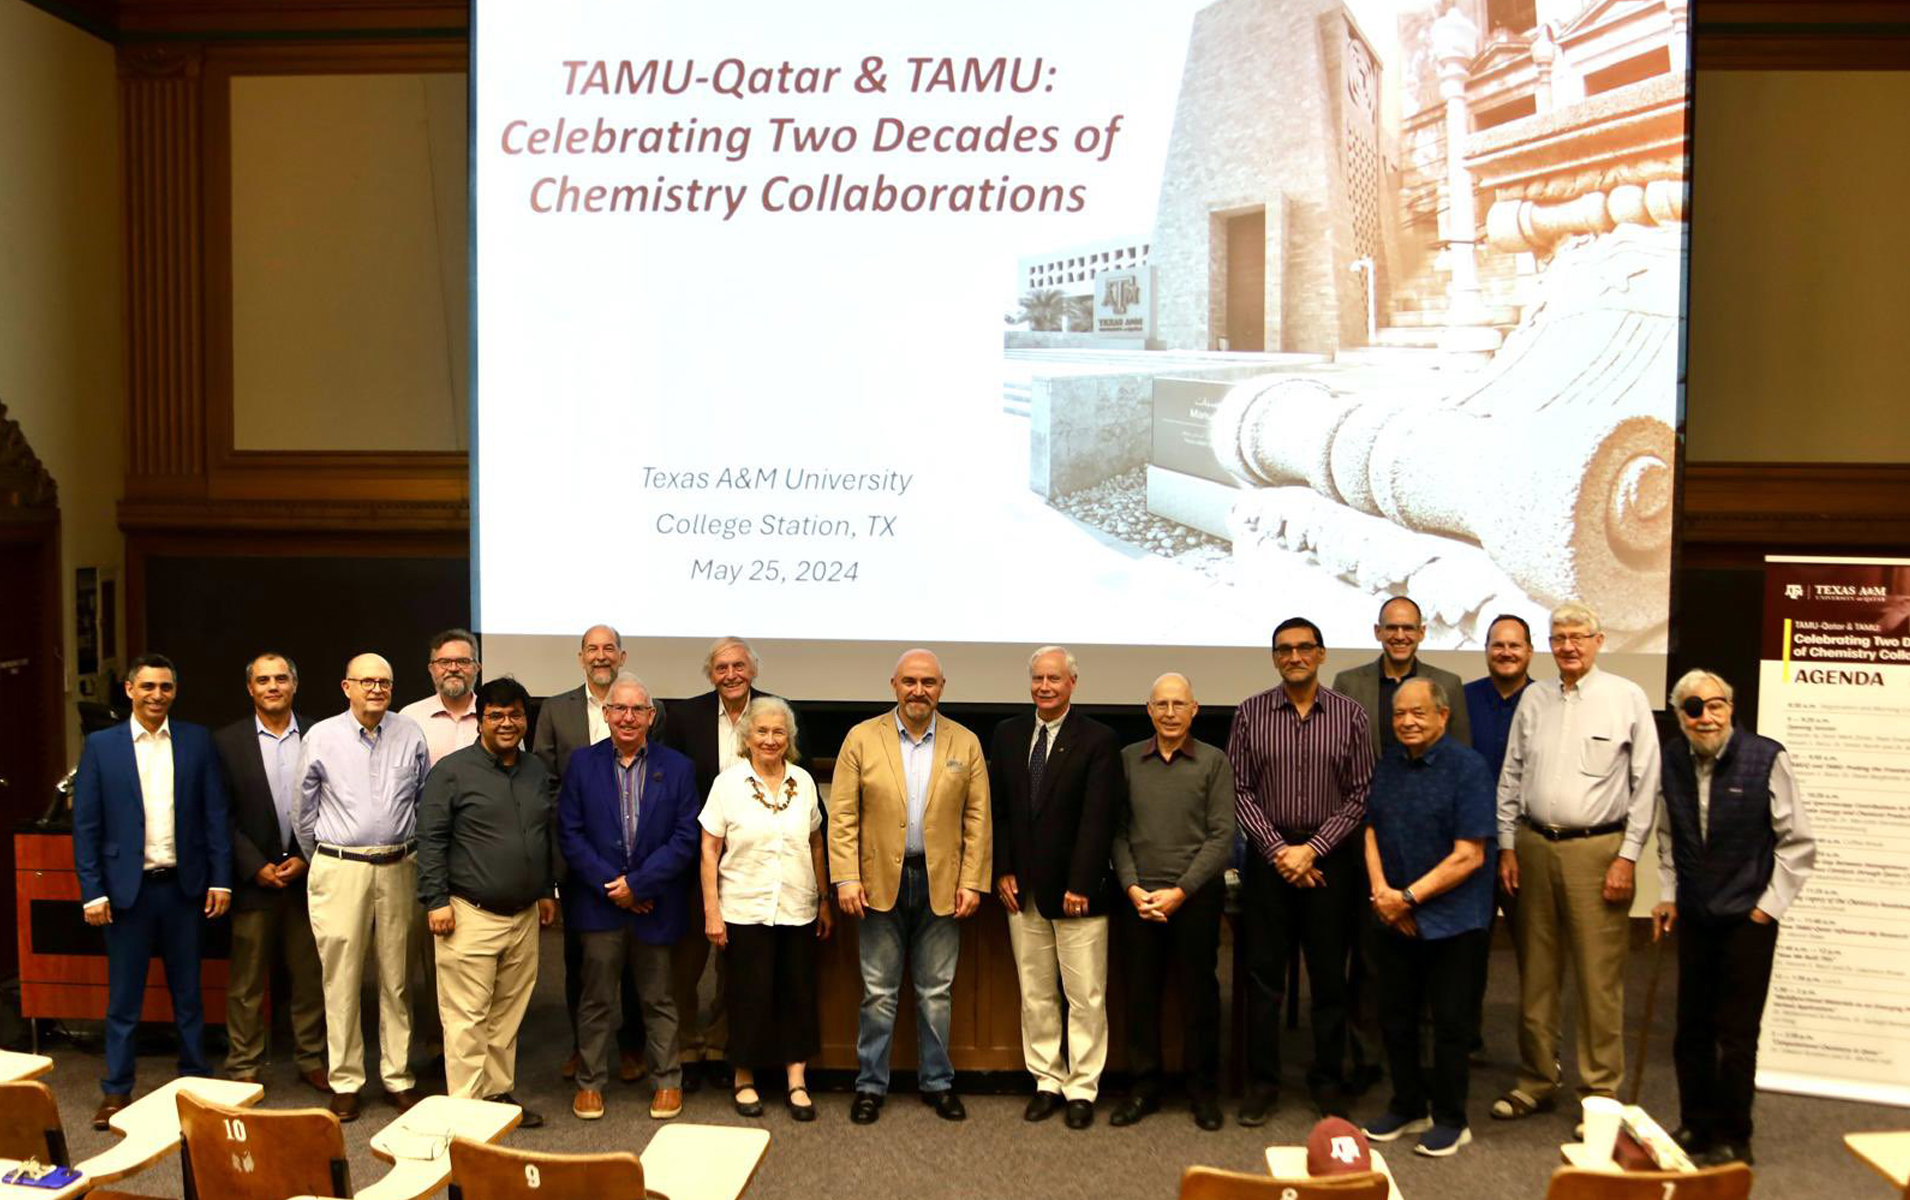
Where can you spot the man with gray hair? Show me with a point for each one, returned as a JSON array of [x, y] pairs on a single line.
[[1734, 849], [1575, 806], [1055, 780]]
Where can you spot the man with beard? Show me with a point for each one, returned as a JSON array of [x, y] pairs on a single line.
[[566, 723], [449, 715], [1734, 849]]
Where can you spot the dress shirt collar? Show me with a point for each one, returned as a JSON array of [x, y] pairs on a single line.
[[290, 729], [1185, 751], [1054, 726], [161, 734], [439, 708], [592, 699], [636, 760], [928, 735], [497, 761], [1583, 681]]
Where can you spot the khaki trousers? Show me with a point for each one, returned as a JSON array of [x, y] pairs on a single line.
[[356, 908], [1561, 917], [1076, 950], [281, 930], [487, 965]]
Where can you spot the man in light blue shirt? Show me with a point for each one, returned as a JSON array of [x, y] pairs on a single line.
[[359, 777]]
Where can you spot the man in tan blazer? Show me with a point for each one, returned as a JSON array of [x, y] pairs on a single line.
[[909, 847]]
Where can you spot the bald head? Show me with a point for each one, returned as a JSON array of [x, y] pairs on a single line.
[[1171, 707], [601, 656], [918, 689], [368, 688]]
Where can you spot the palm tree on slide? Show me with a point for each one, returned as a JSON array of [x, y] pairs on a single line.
[[1043, 310]]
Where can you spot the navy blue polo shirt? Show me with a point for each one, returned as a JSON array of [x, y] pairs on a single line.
[[1418, 808], [1490, 715]]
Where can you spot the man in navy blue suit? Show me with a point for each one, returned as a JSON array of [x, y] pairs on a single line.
[[627, 827], [153, 852]]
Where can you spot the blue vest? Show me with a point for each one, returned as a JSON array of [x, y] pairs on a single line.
[[1723, 874]]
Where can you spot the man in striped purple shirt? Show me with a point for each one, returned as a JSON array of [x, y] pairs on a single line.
[[1302, 759]]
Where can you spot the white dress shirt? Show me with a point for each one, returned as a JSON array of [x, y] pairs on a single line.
[[594, 715], [152, 750], [1581, 757], [727, 755]]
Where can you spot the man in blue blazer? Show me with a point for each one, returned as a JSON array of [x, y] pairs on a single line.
[[153, 851], [627, 827]]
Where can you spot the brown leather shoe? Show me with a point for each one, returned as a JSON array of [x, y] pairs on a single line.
[[109, 1104], [667, 1103], [631, 1067], [403, 1100], [587, 1105], [569, 1069], [318, 1079], [244, 1077], [344, 1106]]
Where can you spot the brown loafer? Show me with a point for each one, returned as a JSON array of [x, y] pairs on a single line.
[[587, 1105], [403, 1100], [109, 1104], [569, 1069], [344, 1106], [667, 1103], [318, 1079], [631, 1067]]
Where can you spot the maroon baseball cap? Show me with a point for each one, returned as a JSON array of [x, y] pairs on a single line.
[[1338, 1147]]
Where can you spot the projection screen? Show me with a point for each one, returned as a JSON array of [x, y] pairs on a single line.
[[1135, 325]]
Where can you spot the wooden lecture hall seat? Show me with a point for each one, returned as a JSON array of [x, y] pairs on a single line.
[[1211, 1183]]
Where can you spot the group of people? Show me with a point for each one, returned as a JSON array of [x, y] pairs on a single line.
[[446, 834]]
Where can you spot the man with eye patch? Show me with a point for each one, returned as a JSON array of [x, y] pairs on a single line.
[[1575, 807], [1733, 852]]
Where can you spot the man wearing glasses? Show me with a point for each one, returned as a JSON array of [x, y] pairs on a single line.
[[1302, 763], [1733, 853], [1575, 805], [359, 777], [449, 715]]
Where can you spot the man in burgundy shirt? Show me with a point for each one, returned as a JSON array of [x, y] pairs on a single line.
[[1302, 759]]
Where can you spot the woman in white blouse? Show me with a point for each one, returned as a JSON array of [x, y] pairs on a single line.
[[763, 870]]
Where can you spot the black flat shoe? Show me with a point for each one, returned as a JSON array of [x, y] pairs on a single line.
[[947, 1104], [1207, 1115], [1257, 1107], [803, 1110], [865, 1108], [1080, 1114], [747, 1108], [1042, 1105], [1132, 1109]]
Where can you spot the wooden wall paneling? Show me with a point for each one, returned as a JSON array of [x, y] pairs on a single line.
[[288, 18], [1783, 35], [165, 428], [1792, 507]]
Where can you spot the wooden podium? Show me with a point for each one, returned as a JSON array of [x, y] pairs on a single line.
[[63, 959]]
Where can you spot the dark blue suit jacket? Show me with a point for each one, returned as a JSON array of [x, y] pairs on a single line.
[[590, 830], [109, 816]]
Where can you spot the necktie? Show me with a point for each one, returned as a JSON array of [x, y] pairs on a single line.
[[1036, 763]]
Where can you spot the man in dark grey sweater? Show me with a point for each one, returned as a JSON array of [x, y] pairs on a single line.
[[1171, 844]]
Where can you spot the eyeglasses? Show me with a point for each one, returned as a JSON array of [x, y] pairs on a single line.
[[631, 710], [371, 685], [1400, 628], [1169, 706], [1573, 639], [1295, 648], [464, 664], [1695, 706]]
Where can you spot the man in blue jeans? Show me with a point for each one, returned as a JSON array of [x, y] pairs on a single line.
[[909, 845]]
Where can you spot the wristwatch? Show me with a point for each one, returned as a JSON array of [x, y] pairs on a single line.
[[1411, 900]]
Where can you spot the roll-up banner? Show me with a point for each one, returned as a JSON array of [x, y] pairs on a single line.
[[1835, 689]]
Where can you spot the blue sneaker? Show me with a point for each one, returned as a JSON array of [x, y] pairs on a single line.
[[1390, 1125], [1442, 1141]]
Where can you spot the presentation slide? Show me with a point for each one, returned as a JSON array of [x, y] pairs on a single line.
[[1136, 325]]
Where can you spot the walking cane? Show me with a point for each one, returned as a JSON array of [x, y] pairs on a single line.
[[1644, 1029]]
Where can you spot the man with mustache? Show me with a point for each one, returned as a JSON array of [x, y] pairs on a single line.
[[1734, 849], [569, 722], [449, 715], [1575, 806]]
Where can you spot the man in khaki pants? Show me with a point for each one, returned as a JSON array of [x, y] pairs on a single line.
[[487, 877], [359, 776], [1576, 800]]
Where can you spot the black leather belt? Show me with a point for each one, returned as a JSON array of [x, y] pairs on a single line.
[[377, 860], [1558, 833], [493, 909], [158, 873]]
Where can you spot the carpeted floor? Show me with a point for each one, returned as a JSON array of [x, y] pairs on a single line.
[[912, 1153]]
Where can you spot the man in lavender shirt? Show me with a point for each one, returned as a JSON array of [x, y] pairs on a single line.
[[359, 777]]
